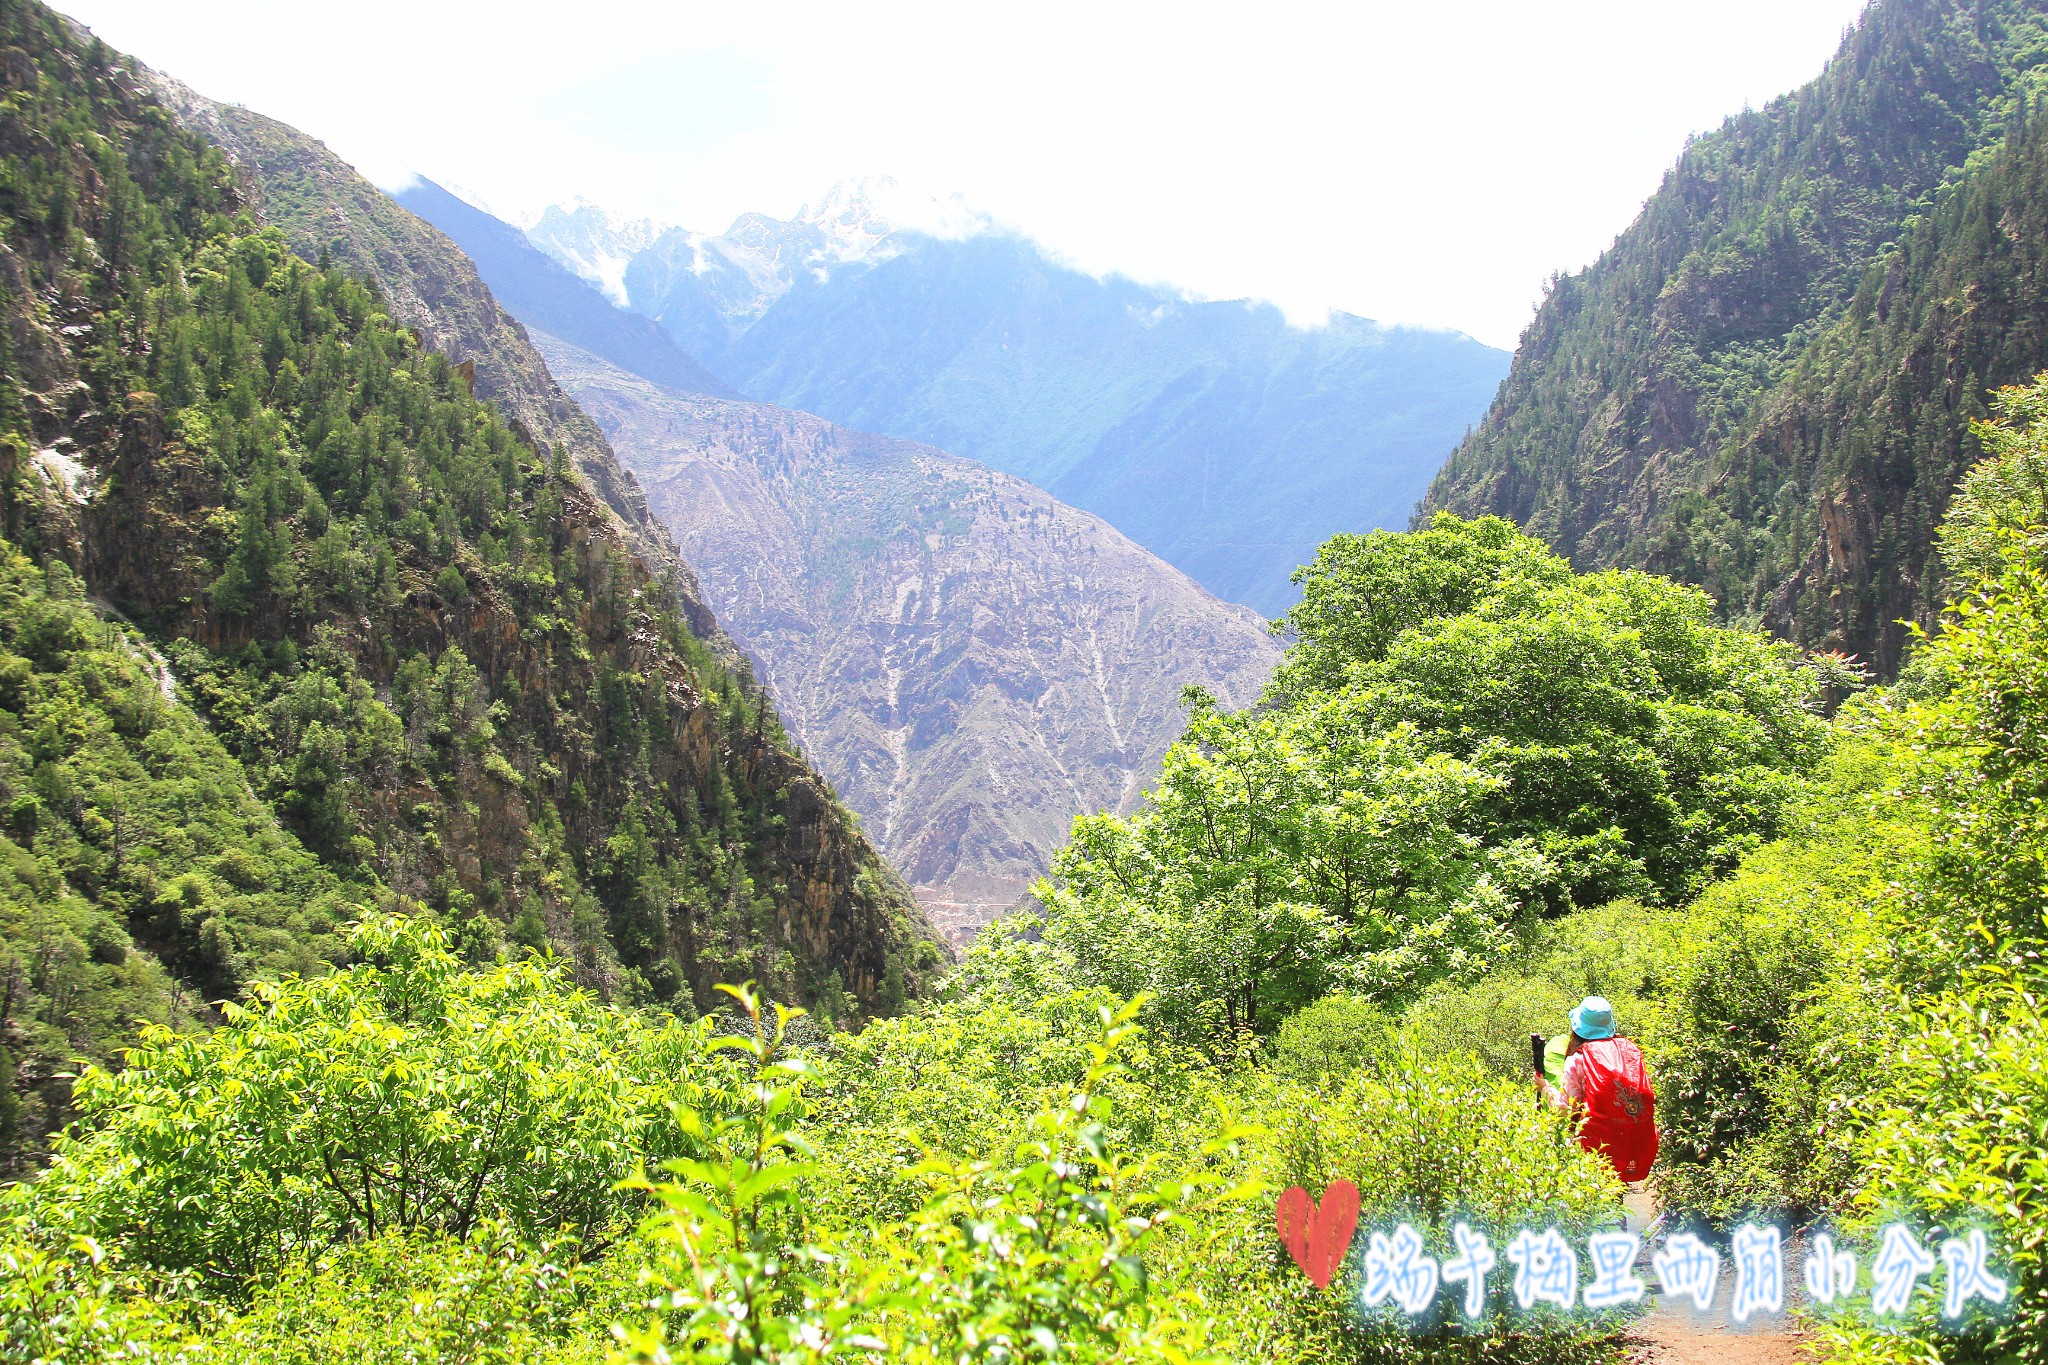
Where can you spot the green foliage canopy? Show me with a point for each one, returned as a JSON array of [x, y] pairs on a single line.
[[1465, 736]]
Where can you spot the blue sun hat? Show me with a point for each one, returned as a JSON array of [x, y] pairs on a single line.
[[1593, 1019]]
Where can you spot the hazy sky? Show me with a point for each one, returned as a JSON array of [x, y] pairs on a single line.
[[1412, 162]]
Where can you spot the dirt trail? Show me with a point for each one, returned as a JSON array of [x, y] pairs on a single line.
[[1717, 1346], [1672, 1334]]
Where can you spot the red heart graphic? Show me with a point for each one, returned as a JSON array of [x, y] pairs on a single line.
[[1316, 1236]]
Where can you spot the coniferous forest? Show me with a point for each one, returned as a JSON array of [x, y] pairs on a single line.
[[420, 940]]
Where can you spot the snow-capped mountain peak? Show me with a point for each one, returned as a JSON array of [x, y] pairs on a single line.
[[593, 242], [745, 270], [858, 218]]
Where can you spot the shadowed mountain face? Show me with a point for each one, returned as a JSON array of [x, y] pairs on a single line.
[[971, 661], [1214, 434]]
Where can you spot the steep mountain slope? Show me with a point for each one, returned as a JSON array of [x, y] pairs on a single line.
[[140, 875], [413, 639], [329, 212], [435, 287], [973, 662], [1824, 509], [1764, 385], [1215, 434]]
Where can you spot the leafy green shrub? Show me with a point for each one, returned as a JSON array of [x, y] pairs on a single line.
[[967, 1078], [1332, 1040], [493, 1298], [1434, 1136], [1035, 1259], [1625, 952], [1962, 1142], [1778, 1015], [399, 1095], [62, 1301], [1430, 1141]]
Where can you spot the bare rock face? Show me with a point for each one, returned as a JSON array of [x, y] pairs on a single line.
[[971, 662]]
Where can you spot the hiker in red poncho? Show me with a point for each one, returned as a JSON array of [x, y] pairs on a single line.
[[1605, 1080]]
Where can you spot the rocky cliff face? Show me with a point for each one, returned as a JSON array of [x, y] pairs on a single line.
[[972, 661]]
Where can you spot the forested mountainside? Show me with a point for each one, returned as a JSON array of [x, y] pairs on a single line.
[[324, 206], [1212, 433], [298, 626], [1766, 385], [972, 663]]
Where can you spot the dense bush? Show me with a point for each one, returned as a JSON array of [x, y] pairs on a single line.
[[1962, 1142], [400, 1095], [1337, 1037], [1780, 1008], [493, 1298], [1433, 1140], [968, 1077], [1857, 1029], [1625, 952]]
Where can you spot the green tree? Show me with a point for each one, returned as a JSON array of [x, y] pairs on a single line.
[[1363, 591], [1466, 735]]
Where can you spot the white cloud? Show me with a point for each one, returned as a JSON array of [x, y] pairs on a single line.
[[1414, 163]]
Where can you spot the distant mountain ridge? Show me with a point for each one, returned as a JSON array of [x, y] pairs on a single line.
[[970, 661], [1216, 434], [576, 313]]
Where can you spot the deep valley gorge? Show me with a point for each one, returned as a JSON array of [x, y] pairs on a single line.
[[971, 662]]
